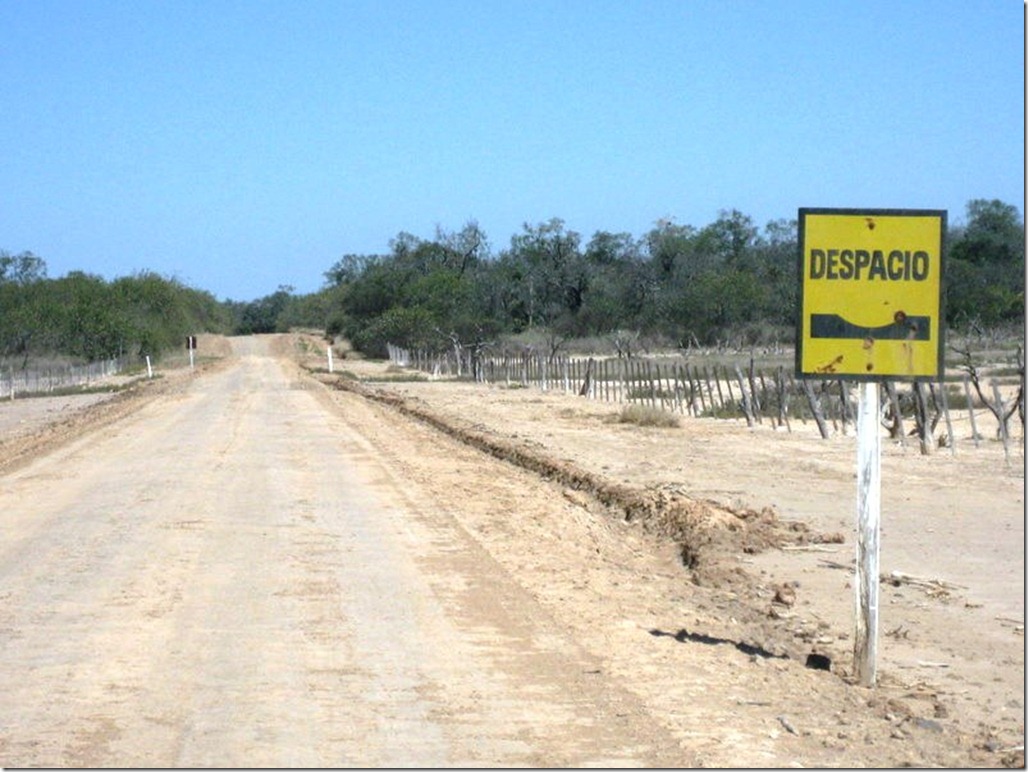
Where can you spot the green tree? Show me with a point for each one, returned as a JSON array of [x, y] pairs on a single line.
[[994, 234], [985, 270], [87, 321], [411, 328], [554, 280], [23, 307], [152, 316], [24, 268], [729, 240], [620, 284], [262, 315], [775, 255], [441, 284], [669, 246]]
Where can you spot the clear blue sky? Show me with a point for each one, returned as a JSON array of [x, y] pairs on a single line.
[[237, 146]]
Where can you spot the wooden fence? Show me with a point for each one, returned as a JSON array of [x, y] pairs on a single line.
[[760, 395]]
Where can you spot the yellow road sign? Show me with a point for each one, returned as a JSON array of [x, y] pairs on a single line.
[[870, 293]]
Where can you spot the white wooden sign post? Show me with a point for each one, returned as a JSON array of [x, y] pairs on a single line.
[[870, 309], [869, 515]]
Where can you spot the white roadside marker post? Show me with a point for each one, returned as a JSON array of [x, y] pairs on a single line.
[[149, 368], [869, 506], [330, 365]]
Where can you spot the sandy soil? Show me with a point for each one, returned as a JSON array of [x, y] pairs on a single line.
[[254, 565]]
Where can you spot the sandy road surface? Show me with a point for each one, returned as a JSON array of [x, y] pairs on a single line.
[[259, 568], [230, 578]]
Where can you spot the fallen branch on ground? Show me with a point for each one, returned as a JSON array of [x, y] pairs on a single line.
[[898, 578]]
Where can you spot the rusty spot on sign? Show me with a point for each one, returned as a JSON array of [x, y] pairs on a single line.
[[831, 366]]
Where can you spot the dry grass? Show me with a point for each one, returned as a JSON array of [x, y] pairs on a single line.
[[642, 415]]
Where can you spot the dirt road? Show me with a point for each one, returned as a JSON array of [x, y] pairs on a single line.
[[229, 578], [257, 570]]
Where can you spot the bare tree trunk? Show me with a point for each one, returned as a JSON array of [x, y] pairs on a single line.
[[998, 410], [1003, 424]]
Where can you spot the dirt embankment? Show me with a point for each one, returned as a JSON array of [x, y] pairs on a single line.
[[709, 535]]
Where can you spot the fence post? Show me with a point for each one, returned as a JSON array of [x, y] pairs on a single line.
[[844, 405], [720, 394], [755, 405], [710, 389], [890, 390], [815, 408], [945, 412], [747, 405], [783, 400], [970, 410], [924, 430], [699, 391], [728, 382], [690, 392], [765, 401], [587, 380]]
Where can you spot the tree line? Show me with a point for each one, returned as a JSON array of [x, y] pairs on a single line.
[[85, 317], [727, 283]]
